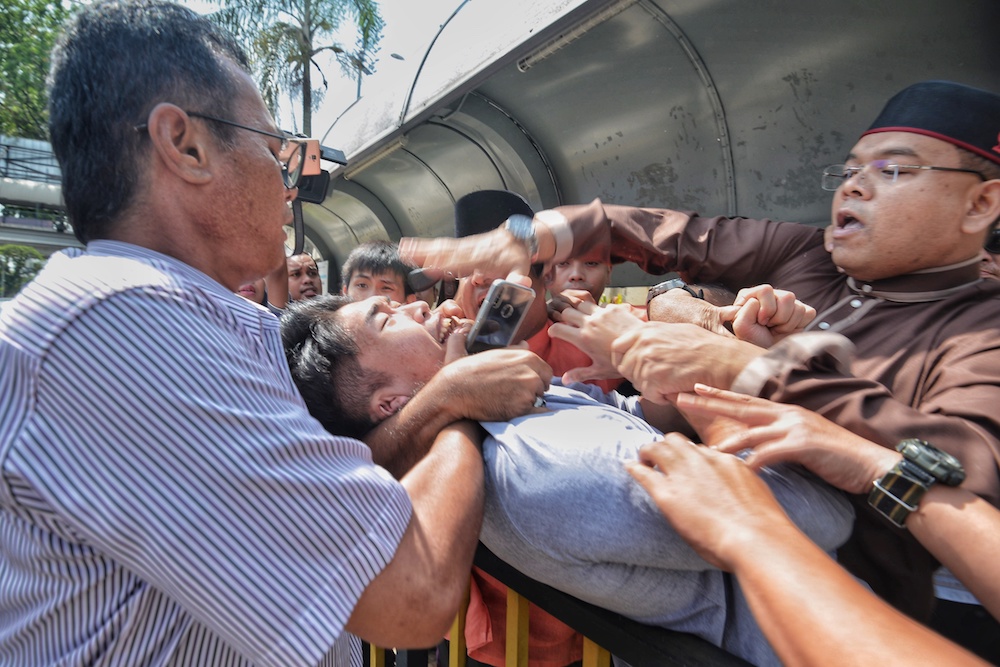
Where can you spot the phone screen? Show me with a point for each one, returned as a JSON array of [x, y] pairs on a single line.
[[500, 316]]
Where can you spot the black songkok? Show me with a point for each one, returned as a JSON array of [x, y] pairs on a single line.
[[961, 115], [485, 210]]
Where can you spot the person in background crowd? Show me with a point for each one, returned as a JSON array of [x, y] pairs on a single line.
[[589, 272], [270, 292], [375, 269], [304, 281]]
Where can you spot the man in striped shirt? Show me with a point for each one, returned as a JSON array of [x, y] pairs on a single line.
[[166, 499]]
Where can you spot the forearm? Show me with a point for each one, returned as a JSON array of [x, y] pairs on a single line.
[[677, 305], [962, 531], [446, 489], [413, 600], [400, 442], [811, 609]]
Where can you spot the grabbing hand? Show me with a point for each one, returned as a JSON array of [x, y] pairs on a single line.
[[592, 329], [663, 359], [763, 315], [779, 432], [495, 385], [713, 500]]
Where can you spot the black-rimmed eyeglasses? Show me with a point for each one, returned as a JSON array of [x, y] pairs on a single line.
[[837, 174], [291, 155]]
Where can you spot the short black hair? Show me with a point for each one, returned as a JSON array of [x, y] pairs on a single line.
[[322, 358], [377, 258], [116, 61]]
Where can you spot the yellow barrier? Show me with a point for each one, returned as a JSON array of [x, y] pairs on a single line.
[[516, 640]]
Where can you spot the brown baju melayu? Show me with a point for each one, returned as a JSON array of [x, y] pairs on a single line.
[[926, 365]]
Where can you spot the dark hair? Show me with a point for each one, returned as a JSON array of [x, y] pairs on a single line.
[[322, 357], [114, 63], [377, 258], [969, 160]]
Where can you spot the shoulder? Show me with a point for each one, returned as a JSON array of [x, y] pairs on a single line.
[[136, 293]]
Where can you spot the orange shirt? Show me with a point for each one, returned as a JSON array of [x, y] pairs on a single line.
[[551, 643], [563, 356]]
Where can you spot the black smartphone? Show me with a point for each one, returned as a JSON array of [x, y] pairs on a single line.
[[500, 316], [418, 280]]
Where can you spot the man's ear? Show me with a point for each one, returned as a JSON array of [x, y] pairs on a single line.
[[984, 207], [387, 401], [180, 143]]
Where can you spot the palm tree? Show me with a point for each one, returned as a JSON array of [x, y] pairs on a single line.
[[282, 38]]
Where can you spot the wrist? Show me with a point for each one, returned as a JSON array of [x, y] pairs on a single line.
[[898, 493], [674, 286], [523, 229], [555, 238]]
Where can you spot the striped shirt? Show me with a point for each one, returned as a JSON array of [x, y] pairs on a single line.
[[166, 499]]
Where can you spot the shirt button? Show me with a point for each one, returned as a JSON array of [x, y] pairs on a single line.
[[823, 325], [855, 303]]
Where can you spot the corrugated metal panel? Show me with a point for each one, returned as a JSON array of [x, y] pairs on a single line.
[[723, 106]]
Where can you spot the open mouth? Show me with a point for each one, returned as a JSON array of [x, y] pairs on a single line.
[[847, 221], [445, 329]]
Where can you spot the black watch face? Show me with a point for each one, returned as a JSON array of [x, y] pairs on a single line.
[[944, 467]]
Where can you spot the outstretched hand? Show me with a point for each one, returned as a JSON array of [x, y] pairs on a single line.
[[495, 254], [779, 432]]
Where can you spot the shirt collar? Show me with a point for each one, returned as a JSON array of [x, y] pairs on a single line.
[[932, 284], [110, 248]]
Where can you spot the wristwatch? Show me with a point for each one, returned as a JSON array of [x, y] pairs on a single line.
[[522, 228], [673, 283], [899, 491]]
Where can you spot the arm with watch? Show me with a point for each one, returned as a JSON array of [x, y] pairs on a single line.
[[914, 486], [760, 315], [810, 609]]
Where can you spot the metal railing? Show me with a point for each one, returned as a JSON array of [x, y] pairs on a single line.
[[27, 162], [605, 633]]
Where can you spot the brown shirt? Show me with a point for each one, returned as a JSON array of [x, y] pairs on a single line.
[[927, 361]]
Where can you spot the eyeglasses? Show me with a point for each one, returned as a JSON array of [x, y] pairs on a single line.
[[992, 244], [291, 155], [837, 174]]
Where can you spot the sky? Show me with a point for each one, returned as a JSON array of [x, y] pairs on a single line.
[[410, 25]]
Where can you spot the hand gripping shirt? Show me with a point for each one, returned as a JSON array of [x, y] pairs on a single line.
[[166, 499]]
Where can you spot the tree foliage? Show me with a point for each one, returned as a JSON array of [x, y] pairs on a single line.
[[28, 30], [18, 265], [284, 37]]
